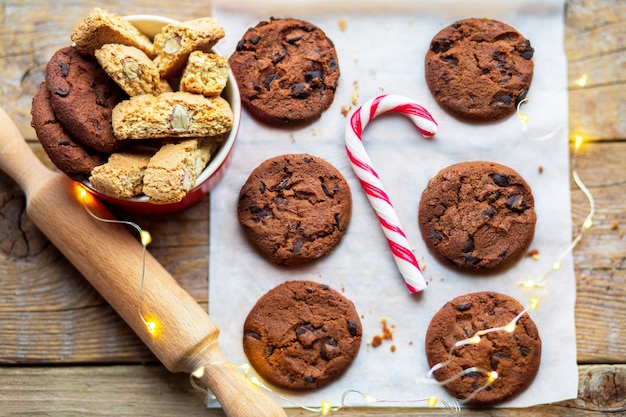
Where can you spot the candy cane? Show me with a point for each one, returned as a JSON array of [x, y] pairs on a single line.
[[378, 198]]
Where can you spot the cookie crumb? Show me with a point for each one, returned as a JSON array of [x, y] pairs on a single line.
[[540, 169], [392, 348], [533, 253], [614, 225], [355, 92], [387, 334], [345, 110]]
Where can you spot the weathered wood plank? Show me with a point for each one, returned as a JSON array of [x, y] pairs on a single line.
[[598, 113], [72, 391]]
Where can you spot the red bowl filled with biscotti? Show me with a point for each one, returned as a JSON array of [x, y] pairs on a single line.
[[181, 157]]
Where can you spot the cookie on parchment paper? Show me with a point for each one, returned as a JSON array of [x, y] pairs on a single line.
[[477, 216], [515, 356], [287, 71], [295, 208], [479, 69], [302, 335]]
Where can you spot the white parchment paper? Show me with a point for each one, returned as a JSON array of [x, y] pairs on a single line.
[[382, 50]]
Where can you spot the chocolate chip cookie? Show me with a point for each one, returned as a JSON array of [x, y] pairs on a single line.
[[477, 216], [83, 97], [479, 69], [66, 154], [295, 208], [302, 335], [287, 71], [515, 356]]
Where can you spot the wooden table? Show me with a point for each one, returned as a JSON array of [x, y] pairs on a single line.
[[65, 352]]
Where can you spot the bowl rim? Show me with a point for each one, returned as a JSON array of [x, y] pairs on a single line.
[[218, 161]]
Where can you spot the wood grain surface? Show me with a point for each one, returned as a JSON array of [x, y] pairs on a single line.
[[65, 352]]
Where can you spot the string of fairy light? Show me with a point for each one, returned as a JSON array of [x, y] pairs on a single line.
[[145, 239], [537, 287]]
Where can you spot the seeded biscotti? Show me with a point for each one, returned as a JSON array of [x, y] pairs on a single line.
[[176, 41], [171, 114], [174, 169], [122, 175], [205, 73], [100, 27], [130, 68]]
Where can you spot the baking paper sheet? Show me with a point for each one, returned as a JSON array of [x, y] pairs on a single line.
[[382, 50]]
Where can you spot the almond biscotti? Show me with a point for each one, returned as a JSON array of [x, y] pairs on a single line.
[[122, 175], [100, 27], [174, 169], [171, 114], [205, 73], [176, 41], [130, 68]]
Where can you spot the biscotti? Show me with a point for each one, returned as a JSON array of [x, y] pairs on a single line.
[[205, 74], [176, 41], [111, 67], [122, 175], [174, 169], [171, 114], [130, 68], [100, 27]]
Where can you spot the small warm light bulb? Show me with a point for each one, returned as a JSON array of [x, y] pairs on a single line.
[[582, 80], [369, 398], [326, 408], [198, 373], [510, 328], [474, 340], [152, 327], [493, 375], [528, 284], [245, 368], [523, 117], [556, 266], [578, 141], [588, 222], [256, 381], [534, 303], [146, 238], [432, 401]]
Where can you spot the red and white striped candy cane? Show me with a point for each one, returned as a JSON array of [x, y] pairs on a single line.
[[378, 198]]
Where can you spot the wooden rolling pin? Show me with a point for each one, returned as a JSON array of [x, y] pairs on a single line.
[[185, 338]]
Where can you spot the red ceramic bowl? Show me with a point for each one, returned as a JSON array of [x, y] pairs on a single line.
[[214, 171]]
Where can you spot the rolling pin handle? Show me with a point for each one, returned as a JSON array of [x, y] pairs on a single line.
[[17, 159]]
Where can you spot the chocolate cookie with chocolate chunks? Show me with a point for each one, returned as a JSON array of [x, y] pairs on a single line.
[[513, 354], [302, 335], [295, 208], [479, 69], [66, 154], [477, 216], [287, 71], [83, 97]]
